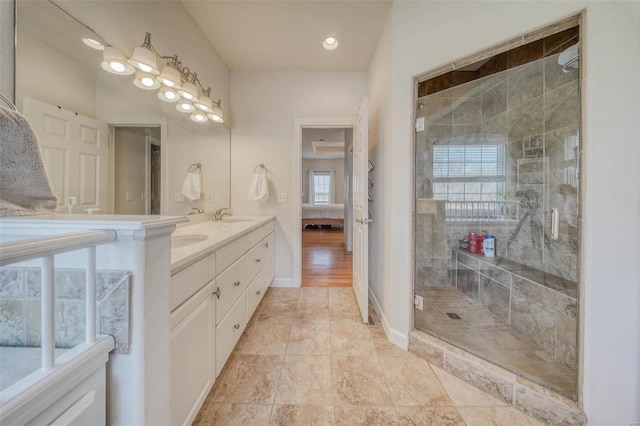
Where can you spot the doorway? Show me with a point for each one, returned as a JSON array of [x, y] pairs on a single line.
[[137, 170], [326, 198]]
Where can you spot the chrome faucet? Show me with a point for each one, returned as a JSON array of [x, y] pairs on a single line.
[[197, 211], [220, 213]]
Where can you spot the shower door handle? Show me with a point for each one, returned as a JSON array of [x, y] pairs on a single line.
[[555, 224]]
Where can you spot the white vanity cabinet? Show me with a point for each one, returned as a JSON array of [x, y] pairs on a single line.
[[212, 301]]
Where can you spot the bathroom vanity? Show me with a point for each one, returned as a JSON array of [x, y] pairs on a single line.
[[219, 273]]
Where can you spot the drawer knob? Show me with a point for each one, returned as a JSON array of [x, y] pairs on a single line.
[[237, 326], [266, 245], [257, 260], [258, 292], [236, 284], [217, 293]]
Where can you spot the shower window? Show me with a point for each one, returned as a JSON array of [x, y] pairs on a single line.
[[499, 153]]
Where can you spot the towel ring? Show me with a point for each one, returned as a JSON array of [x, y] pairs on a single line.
[[260, 166], [196, 165], [8, 102]]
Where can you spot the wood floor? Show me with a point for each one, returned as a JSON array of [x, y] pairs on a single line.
[[325, 261]]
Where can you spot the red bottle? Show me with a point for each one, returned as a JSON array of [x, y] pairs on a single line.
[[481, 242], [473, 242]]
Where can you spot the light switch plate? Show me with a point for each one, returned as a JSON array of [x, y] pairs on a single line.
[[282, 197], [178, 197], [420, 124], [129, 196], [418, 301]]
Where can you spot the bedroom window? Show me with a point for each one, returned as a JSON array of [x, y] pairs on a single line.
[[321, 188]]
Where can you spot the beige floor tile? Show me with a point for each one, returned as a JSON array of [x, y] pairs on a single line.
[[265, 338], [436, 416], [358, 381], [302, 415], [462, 393], [352, 313], [279, 312], [347, 328], [341, 345], [348, 415], [281, 295], [309, 312], [248, 379], [309, 338], [493, 416], [314, 295], [342, 296], [233, 414], [383, 346], [412, 382], [305, 379]]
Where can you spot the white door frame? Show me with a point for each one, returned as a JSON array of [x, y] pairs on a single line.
[[298, 125], [164, 153]]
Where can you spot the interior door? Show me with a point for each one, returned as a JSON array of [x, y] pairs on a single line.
[[75, 153], [361, 210]]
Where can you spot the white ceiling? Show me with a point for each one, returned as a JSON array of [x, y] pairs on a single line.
[[279, 35], [316, 135]]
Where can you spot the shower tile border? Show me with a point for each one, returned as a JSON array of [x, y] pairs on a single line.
[[523, 394]]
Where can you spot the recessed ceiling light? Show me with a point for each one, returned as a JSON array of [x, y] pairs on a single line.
[[94, 44], [330, 43]]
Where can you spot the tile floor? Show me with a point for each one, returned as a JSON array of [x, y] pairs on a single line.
[[306, 358], [483, 334]]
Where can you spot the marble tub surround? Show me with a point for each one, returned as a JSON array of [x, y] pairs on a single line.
[[301, 374], [20, 306], [217, 233]]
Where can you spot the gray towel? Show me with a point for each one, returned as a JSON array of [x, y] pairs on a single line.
[[25, 188]]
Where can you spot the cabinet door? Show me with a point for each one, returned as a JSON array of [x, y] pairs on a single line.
[[192, 360], [270, 258], [229, 330]]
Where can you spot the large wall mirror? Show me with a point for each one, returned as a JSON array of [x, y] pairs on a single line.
[[109, 147]]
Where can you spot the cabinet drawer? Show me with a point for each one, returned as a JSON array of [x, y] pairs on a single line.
[[255, 292], [229, 331], [188, 281], [231, 284], [255, 261], [230, 253], [254, 237]]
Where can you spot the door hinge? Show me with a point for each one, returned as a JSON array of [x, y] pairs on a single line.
[[418, 302]]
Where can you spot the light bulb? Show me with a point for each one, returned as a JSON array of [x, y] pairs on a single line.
[[117, 66], [198, 117], [330, 40], [170, 95], [330, 43], [144, 67], [147, 81]]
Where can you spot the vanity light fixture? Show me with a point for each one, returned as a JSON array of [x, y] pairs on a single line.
[[115, 62], [94, 44], [204, 102], [189, 90], [177, 82], [216, 113], [199, 116], [170, 76], [167, 94], [185, 106], [146, 81], [330, 43], [144, 58]]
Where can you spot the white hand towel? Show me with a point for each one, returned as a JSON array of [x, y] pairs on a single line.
[[192, 186], [259, 189]]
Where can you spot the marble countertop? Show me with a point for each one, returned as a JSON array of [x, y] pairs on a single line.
[[218, 233], [94, 221]]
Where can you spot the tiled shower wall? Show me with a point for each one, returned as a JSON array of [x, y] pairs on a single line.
[[526, 103], [20, 306]]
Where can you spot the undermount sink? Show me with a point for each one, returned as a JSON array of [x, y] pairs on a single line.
[[231, 219], [178, 241]]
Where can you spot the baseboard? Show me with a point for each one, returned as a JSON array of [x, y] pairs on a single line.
[[394, 336], [284, 282]]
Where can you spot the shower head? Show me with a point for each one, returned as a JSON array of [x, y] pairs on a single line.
[[569, 59]]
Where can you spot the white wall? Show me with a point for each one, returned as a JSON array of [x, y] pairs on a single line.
[[324, 165], [264, 106], [427, 35], [380, 153]]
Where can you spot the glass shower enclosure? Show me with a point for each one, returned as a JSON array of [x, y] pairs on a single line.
[[499, 156]]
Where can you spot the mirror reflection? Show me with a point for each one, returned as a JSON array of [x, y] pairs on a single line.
[[109, 147]]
